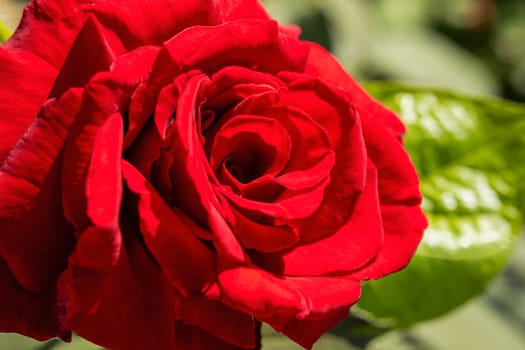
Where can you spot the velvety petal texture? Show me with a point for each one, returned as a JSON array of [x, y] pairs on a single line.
[[174, 173]]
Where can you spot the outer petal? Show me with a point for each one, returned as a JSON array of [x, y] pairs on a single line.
[[135, 22], [32, 314], [31, 214], [99, 244], [106, 95], [197, 339], [214, 317], [25, 81], [307, 332], [321, 63], [126, 306], [282, 301], [92, 52], [403, 219]]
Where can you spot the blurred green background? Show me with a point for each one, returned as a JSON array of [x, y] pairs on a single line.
[[472, 46], [476, 46]]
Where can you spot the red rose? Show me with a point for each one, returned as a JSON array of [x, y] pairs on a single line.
[[176, 172]]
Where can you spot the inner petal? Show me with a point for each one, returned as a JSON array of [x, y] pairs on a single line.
[[248, 147]]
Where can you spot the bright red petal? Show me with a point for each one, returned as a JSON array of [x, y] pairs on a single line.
[[321, 63], [26, 82], [280, 301], [400, 198], [353, 246]]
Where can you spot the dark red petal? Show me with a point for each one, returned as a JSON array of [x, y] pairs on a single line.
[[26, 81], [139, 62], [171, 241], [217, 319], [193, 338], [118, 297], [321, 63], [31, 314], [351, 247], [92, 52], [279, 301], [31, 214], [254, 146]]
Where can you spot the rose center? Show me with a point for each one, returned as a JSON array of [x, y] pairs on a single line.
[[251, 159]]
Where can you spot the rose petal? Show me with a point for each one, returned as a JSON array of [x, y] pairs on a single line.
[[99, 243], [403, 227], [139, 22], [234, 10], [91, 52], [135, 22], [292, 205], [26, 81], [262, 238], [279, 301], [123, 304], [232, 84], [307, 332], [197, 339], [230, 44], [170, 239], [351, 247], [403, 219], [28, 313], [330, 108], [311, 158], [139, 62], [232, 326], [33, 225], [37, 31], [321, 63], [105, 96], [195, 194], [253, 146]]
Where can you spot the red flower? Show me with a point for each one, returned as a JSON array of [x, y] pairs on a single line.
[[175, 172]]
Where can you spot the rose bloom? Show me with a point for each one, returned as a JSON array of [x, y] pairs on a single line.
[[175, 173]]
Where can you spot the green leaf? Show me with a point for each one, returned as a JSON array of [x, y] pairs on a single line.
[[469, 154], [5, 32]]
